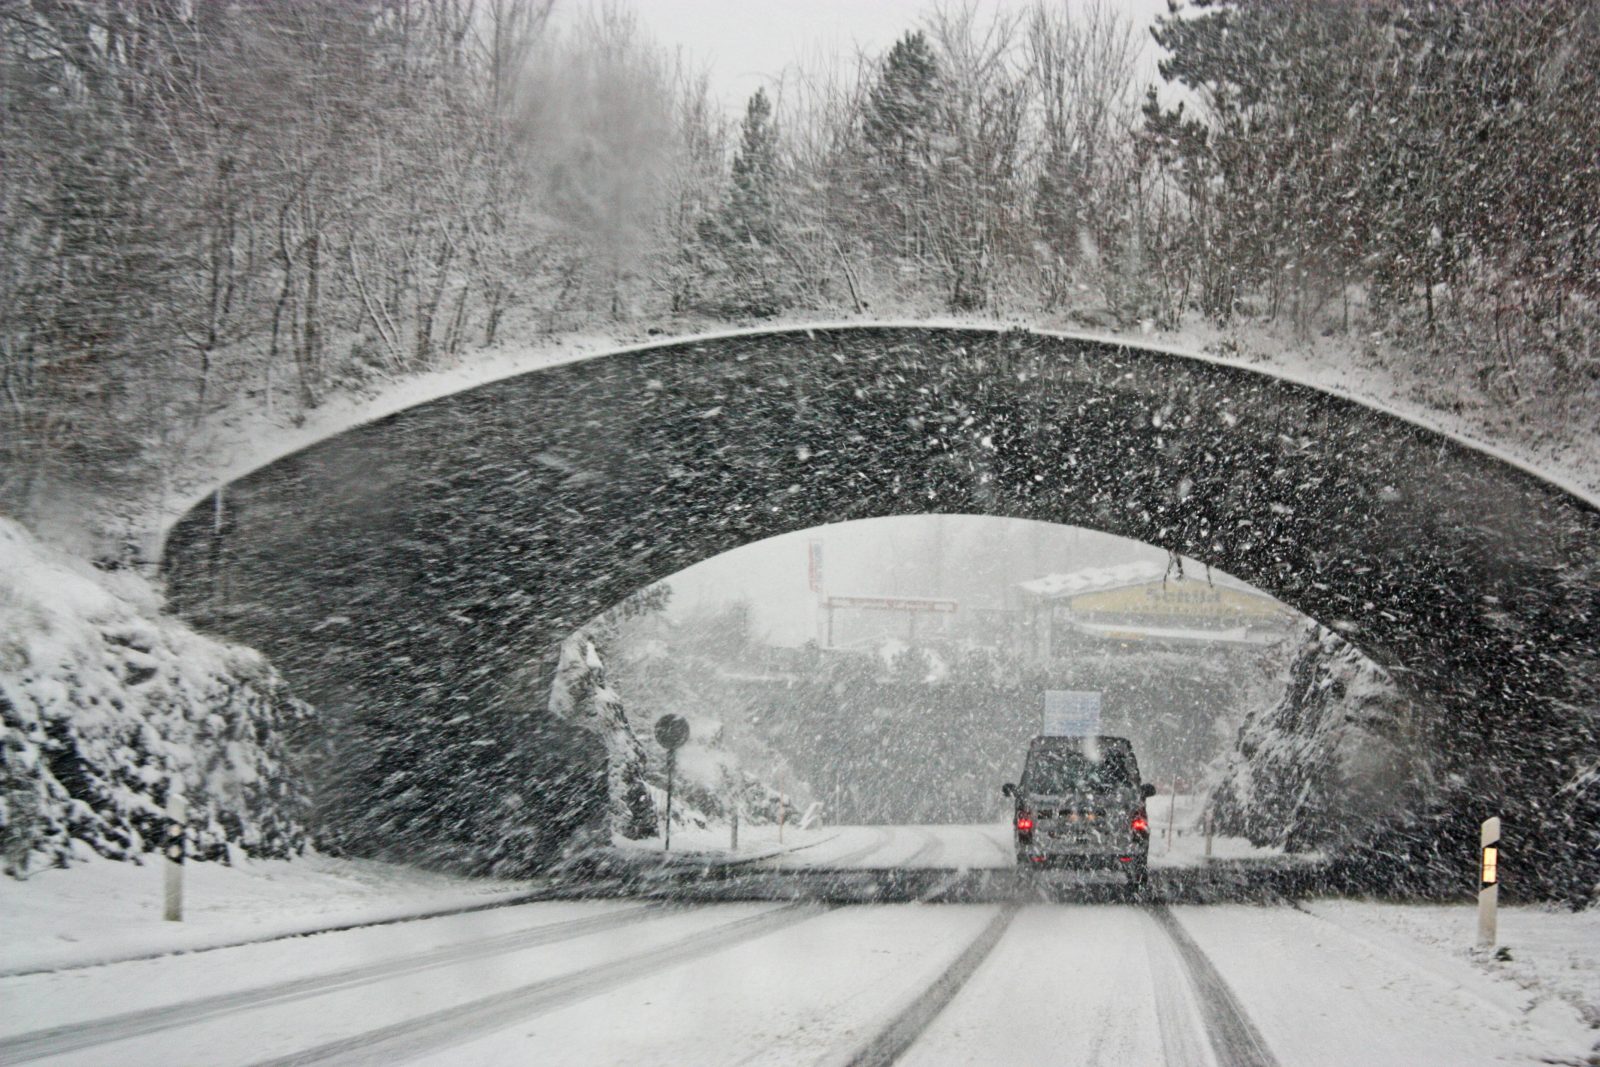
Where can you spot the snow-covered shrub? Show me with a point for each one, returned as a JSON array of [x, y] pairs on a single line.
[[1335, 756], [106, 703], [579, 694]]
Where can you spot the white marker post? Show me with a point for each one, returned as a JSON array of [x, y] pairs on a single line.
[[177, 816], [1488, 882], [1172, 811]]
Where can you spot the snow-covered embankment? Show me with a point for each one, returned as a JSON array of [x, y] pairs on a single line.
[[107, 703]]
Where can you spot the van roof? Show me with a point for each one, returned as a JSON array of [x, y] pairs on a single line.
[[1065, 740]]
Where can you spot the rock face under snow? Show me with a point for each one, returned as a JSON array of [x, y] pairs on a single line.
[[107, 704], [1334, 757]]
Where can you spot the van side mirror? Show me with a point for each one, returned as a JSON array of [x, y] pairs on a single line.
[[1149, 790], [1009, 790]]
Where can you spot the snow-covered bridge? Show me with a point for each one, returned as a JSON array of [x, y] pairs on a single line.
[[407, 571]]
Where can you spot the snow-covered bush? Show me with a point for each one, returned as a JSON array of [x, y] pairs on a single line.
[[106, 703], [579, 694]]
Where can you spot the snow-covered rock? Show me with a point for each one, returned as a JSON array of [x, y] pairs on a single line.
[[107, 704], [579, 694], [1334, 756]]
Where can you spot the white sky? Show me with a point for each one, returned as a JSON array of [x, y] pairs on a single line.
[[746, 44]]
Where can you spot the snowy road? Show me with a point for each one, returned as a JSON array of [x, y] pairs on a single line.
[[901, 847], [1041, 976]]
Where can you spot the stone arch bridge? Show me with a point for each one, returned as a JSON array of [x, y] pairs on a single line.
[[405, 574]]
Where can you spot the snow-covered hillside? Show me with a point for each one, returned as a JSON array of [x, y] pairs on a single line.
[[107, 704]]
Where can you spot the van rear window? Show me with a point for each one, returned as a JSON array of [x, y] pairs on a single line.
[[1068, 771]]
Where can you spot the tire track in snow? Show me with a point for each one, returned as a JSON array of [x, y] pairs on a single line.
[[38, 1044], [1007, 853], [881, 838], [926, 852], [1178, 1013], [441, 1029], [891, 1042], [932, 858], [929, 854], [1233, 1036]]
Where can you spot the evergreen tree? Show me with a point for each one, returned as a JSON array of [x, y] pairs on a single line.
[[745, 237], [903, 106], [898, 134], [752, 208]]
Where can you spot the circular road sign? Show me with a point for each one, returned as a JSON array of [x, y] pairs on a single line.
[[672, 731]]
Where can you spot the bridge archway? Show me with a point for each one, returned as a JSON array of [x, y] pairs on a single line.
[[398, 571]]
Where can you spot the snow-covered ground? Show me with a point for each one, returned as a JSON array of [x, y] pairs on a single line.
[[99, 910], [1390, 984], [986, 846], [835, 847], [640, 982], [1549, 952]]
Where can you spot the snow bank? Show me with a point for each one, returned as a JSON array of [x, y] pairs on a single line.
[[100, 911], [106, 703], [1545, 952]]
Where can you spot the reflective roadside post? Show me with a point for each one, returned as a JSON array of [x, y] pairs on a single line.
[[177, 818], [1488, 881], [671, 731]]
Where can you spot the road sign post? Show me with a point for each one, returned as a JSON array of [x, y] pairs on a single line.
[[177, 820], [671, 731], [672, 765], [1488, 882]]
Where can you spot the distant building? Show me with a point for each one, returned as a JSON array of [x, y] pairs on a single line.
[[1143, 605]]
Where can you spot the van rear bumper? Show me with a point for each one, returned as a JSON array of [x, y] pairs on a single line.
[[1081, 861], [1039, 851]]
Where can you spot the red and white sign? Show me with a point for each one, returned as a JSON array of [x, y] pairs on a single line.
[[893, 603]]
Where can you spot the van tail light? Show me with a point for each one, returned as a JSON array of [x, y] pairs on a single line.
[[1025, 823], [1141, 825]]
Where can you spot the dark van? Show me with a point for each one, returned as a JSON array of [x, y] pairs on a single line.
[[1080, 803]]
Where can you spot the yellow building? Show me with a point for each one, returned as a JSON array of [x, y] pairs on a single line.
[[1144, 604]]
